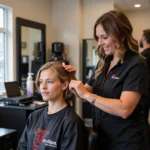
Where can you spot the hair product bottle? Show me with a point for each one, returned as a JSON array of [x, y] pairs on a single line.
[[30, 85]]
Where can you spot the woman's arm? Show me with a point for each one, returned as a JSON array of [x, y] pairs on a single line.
[[122, 107], [88, 88], [135, 84]]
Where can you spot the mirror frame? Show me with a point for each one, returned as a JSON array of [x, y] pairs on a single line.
[[32, 24], [86, 107], [84, 56]]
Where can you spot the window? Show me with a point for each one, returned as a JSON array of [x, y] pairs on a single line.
[[2, 46]]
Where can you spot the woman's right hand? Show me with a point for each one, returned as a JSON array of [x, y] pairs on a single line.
[[70, 69]]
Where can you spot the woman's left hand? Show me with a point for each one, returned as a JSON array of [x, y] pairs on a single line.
[[78, 88]]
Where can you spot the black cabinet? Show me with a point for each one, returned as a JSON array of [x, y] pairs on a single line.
[[15, 117], [8, 139]]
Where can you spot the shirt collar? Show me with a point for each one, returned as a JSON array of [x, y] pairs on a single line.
[[147, 49], [127, 56]]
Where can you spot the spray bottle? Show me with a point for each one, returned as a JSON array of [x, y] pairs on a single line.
[[30, 85]]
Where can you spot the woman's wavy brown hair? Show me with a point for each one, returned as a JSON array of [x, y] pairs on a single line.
[[116, 25], [57, 68]]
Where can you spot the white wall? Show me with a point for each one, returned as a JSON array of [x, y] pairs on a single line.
[[35, 10], [92, 10], [140, 21], [66, 27]]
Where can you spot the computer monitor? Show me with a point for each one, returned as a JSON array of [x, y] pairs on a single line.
[[12, 89]]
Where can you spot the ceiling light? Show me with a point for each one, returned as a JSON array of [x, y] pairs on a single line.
[[137, 5]]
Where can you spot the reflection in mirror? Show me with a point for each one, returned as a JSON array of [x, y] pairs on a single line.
[[30, 48], [90, 59], [30, 38]]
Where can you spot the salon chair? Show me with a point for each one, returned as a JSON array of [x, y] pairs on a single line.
[[92, 139]]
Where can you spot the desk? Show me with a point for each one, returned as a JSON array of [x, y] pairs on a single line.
[[15, 117]]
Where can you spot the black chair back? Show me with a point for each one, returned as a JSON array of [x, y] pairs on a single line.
[[92, 139]]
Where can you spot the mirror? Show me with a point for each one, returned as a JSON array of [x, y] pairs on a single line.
[[90, 60], [30, 45]]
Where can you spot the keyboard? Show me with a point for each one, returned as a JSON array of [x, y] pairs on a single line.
[[18, 100]]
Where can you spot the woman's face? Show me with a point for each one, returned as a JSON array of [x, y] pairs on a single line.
[[50, 86], [105, 41]]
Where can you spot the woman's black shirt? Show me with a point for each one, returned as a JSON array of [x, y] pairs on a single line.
[[131, 75]]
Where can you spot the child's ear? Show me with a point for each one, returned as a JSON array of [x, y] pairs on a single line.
[[65, 85]]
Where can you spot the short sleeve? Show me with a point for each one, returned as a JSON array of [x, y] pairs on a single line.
[[137, 79], [91, 80]]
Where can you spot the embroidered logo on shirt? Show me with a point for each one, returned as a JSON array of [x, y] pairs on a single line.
[[39, 139], [114, 77], [39, 136], [50, 143]]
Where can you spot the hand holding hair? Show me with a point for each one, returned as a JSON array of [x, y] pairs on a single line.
[[70, 69], [79, 89]]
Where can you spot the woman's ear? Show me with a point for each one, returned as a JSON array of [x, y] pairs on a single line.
[[65, 85]]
